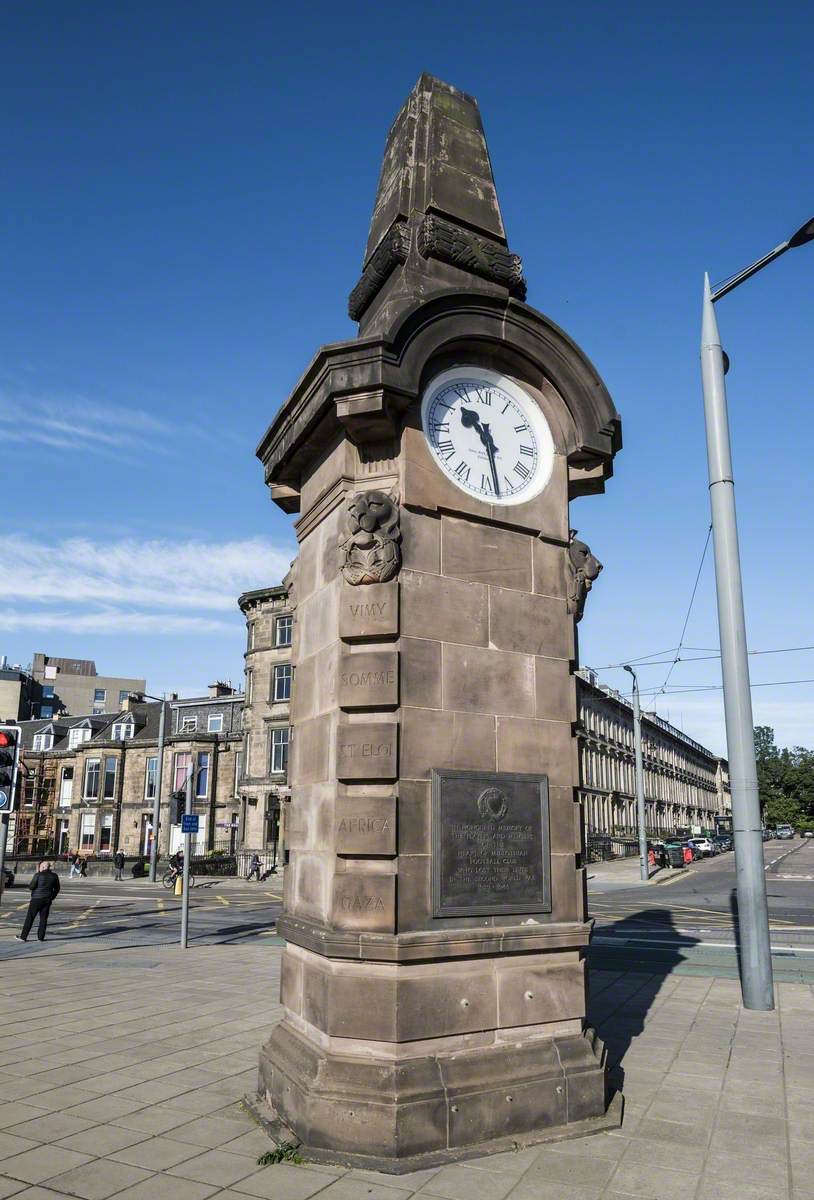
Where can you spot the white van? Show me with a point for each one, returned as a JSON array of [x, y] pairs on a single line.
[[785, 831]]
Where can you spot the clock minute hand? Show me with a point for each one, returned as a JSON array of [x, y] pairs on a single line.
[[471, 420]]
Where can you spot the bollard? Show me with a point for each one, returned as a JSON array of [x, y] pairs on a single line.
[[179, 885]]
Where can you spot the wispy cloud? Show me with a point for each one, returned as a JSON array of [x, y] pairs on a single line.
[[158, 587], [81, 425]]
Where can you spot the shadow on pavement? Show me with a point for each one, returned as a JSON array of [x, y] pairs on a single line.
[[628, 963]]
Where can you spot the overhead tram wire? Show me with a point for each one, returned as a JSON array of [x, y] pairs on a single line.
[[677, 658], [660, 662], [691, 689]]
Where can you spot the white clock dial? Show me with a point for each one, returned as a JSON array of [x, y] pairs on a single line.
[[487, 435]]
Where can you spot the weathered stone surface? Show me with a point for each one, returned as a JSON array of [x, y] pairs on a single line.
[[369, 679], [530, 624], [420, 672], [369, 611], [448, 610], [367, 751], [311, 749], [364, 902], [544, 746], [365, 825], [420, 542], [487, 681], [414, 817], [549, 568], [459, 740], [485, 553], [555, 690]]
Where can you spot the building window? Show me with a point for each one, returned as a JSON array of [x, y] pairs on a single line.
[[99, 695], [202, 784], [279, 751], [189, 725], [47, 691], [110, 779], [124, 695], [238, 763], [46, 711], [66, 787], [98, 710], [106, 832], [282, 682], [43, 741], [249, 687], [251, 635], [92, 771], [150, 778], [87, 831], [183, 766], [214, 723], [122, 731], [77, 736], [283, 628]]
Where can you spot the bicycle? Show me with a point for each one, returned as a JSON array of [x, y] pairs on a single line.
[[171, 876]]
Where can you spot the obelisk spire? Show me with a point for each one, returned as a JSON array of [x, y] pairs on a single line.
[[436, 222]]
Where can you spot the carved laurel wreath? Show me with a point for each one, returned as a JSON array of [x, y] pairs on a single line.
[[492, 804]]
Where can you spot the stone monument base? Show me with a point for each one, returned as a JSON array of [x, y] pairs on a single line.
[[403, 1114]]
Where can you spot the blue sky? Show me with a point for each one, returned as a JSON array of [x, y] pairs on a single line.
[[187, 193]]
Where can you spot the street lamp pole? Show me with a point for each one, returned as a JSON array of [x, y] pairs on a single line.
[[753, 914], [159, 777], [644, 866]]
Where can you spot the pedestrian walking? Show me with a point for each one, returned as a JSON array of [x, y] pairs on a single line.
[[74, 860], [44, 890], [83, 867], [254, 867], [118, 863]]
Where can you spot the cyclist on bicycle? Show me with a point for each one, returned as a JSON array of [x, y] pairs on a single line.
[[177, 862]]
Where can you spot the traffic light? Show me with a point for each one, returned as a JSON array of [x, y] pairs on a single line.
[[177, 805], [9, 761]]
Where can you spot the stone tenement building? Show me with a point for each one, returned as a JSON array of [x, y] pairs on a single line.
[[685, 785], [264, 790], [72, 685], [89, 781]]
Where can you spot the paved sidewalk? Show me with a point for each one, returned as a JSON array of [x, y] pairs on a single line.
[[121, 1074]]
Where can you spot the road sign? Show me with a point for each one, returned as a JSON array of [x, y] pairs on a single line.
[[189, 823], [5, 801]]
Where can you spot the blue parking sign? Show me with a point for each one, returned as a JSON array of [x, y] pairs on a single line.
[[189, 823]]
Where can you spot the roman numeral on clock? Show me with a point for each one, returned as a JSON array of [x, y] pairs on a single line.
[[521, 470], [520, 428], [440, 427], [529, 450], [485, 483], [462, 471], [446, 447]]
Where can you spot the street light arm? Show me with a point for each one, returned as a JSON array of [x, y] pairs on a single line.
[[729, 285], [800, 237]]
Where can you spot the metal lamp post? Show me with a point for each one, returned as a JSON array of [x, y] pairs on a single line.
[[158, 779], [753, 915], [644, 866]]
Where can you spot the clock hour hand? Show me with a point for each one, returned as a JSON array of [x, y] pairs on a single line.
[[471, 420]]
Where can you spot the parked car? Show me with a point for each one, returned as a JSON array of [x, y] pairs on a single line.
[[704, 846], [723, 841], [785, 831], [9, 874], [808, 833]]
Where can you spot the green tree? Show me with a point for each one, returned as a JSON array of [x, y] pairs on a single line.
[[785, 780]]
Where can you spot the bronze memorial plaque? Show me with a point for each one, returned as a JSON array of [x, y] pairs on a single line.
[[490, 850]]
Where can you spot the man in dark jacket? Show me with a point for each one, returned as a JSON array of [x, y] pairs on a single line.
[[44, 888], [118, 863]]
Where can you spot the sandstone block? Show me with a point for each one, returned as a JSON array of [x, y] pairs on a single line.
[[487, 681], [549, 568], [369, 679], [485, 553], [368, 611], [530, 624], [555, 690], [420, 672], [448, 610], [365, 825], [536, 746], [367, 751], [420, 542], [364, 902], [430, 739]]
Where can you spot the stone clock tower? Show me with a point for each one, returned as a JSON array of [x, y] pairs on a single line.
[[433, 980]]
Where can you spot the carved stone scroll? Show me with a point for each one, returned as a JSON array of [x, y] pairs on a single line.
[[391, 251], [462, 248]]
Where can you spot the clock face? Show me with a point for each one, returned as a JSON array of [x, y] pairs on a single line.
[[487, 435]]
